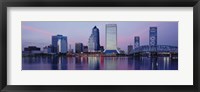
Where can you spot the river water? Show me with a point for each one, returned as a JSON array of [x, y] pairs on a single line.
[[98, 63]]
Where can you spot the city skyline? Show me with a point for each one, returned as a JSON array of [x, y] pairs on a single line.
[[44, 31]]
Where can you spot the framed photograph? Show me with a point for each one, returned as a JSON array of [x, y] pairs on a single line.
[[91, 45]]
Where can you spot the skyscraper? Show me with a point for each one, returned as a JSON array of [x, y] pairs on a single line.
[[78, 47], [95, 32], [111, 39], [54, 42], [64, 44], [136, 41], [60, 47], [153, 36], [130, 48], [91, 44], [94, 43]]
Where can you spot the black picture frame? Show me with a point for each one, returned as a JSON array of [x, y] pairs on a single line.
[[98, 3]]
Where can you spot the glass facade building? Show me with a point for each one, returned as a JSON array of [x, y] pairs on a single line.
[[91, 44], [111, 39], [78, 47], [153, 36], [136, 41], [94, 41], [59, 44], [95, 32]]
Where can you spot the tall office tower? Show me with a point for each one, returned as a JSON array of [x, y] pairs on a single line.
[[78, 47], [136, 41], [91, 44], [64, 44], [94, 43], [54, 42], [111, 39], [153, 36], [130, 48], [59, 44], [95, 32]]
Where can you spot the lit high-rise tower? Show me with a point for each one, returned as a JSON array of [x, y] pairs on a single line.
[[111, 39], [94, 43], [91, 44], [153, 36], [60, 47], [95, 32], [136, 41]]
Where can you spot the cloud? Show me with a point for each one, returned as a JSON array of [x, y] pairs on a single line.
[[37, 30]]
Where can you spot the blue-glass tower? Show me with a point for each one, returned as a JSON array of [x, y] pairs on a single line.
[[59, 47], [94, 43], [95, 32]]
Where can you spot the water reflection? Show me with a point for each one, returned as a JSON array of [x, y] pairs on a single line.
[[98, 63]]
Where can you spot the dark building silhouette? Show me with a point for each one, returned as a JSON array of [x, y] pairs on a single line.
[[101, 48], [130, 48], [78, 47], [85, 48], [32, 48]]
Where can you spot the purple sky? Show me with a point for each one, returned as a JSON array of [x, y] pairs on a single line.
[[38, 33]]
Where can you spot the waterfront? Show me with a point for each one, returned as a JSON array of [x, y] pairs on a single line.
[[98, 63]]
